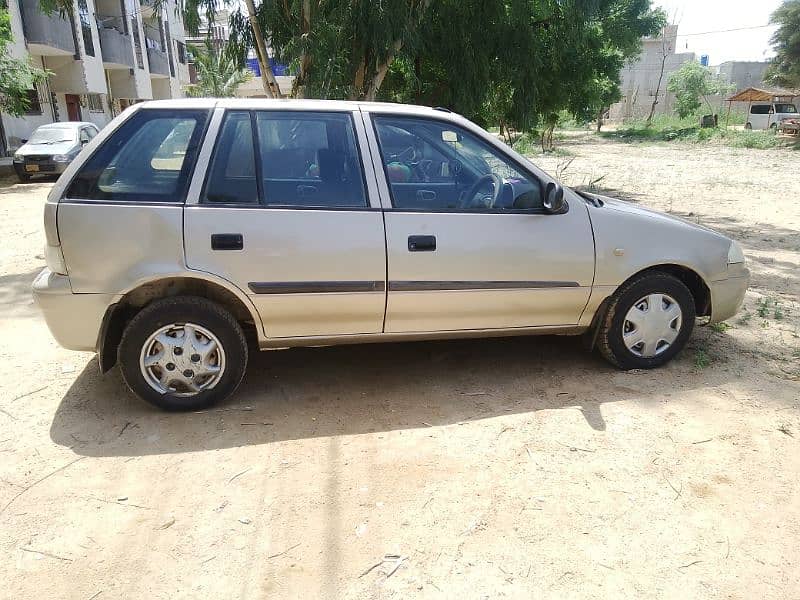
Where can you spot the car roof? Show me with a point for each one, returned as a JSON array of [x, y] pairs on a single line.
[[67, 125], [291, 104]]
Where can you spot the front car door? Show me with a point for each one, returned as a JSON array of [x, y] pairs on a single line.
[[469, 246], [286, 214]]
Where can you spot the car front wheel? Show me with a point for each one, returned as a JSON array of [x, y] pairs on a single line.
[[648, 322], [183, 353]]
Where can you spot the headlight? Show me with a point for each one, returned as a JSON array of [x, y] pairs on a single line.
[[735, 254], [19, 158], [61, 158]]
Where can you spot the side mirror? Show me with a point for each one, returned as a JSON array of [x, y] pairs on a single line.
[[553, 200], [24, 141], [84, 142]]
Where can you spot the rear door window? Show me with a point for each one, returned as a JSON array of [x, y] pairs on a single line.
[[309, 159], [150, 158], [760, 109], [232, 175]]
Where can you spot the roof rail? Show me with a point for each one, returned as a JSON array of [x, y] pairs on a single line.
[[442, 109]]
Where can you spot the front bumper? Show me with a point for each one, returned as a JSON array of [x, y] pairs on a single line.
[[48, 167], [75, 320], [727, 296]]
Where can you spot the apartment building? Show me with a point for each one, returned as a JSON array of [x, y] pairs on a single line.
[[105, 56]]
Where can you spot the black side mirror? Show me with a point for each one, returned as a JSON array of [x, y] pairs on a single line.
[[553, 200]]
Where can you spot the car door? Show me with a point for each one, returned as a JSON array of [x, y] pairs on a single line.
[[480, 253], [285, 214]]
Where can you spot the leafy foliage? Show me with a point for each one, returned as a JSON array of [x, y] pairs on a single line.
[[219, 74], [785, 68], [692, 84], [17, 76]]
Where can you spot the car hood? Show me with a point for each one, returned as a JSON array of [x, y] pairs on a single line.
[[648, 213], [46, 149]]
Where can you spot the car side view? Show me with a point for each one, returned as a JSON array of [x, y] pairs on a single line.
[[190, 231]]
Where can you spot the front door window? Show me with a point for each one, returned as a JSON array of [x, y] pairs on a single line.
[[436, 166]]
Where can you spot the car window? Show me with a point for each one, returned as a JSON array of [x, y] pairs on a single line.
[[434, 165], [760, 109], [785, 108], [85, 135], [148, 159], [232, 174], [309, 159], [91, 132]]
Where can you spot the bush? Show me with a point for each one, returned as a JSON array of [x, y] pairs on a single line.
[[666, 128]]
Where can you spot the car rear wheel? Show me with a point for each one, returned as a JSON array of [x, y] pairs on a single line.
[[648, 322], [748, 126], [183, 353]]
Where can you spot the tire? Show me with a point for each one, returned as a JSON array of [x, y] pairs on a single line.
[[23, 177], [614, 324], [748, 126], [216, 328]]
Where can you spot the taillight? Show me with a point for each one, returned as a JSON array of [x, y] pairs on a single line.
[[52, 250]]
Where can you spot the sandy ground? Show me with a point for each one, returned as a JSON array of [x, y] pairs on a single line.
[[505, 468]]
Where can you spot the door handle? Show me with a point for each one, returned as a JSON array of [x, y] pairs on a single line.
[[426, 195], [421, 243], [227, 241]]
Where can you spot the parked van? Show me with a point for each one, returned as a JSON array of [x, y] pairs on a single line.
[[766, 115]]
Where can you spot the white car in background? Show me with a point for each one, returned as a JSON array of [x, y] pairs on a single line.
[[768, 115], [52, 148]]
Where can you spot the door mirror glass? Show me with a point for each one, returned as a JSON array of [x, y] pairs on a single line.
[[553, 200]]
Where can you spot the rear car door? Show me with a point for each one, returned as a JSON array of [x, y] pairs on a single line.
[[469, 245], [285, 214]]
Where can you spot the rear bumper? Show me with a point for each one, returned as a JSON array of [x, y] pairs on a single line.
[[727, 296], [75, 320]]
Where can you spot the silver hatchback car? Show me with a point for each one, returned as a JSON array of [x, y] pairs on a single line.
[[189, 231]]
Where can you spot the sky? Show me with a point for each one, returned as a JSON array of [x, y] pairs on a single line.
[[700, 16]]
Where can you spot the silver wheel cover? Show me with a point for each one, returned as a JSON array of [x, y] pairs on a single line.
[[183, 359], [652, 325]]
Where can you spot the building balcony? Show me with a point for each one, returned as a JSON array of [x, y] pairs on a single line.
[[47, 35], [117, 49], [159, 63]]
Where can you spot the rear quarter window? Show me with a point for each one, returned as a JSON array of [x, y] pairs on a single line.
[[150, 158]]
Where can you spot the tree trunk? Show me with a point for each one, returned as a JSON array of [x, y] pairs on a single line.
[[600, 119], [300, 86], [271, 89], [660, 78]]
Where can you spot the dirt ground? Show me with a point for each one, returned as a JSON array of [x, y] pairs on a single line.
[[512, 468]]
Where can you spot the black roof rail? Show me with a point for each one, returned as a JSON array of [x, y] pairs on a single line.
[[442, 109]]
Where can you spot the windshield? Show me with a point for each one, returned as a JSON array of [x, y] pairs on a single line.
[[785, 108], [52, 136]]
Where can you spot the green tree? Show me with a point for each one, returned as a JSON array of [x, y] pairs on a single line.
[[336, 48], [17, 76], [785, 67], [692, 84], [219, 75]]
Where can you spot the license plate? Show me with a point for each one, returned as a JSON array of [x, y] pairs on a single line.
[[32, 168]]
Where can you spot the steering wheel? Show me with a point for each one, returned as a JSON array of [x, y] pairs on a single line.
[[468, 200]]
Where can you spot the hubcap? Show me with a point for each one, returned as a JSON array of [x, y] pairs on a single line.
[[182, 359], [652, 325]]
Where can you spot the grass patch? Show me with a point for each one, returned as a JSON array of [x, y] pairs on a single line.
[[720, 327], [701, 359], [666, 128]]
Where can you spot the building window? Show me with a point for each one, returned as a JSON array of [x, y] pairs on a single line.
[[86, 27], [181, 53], [94, 102], [34, 102], [137, 43]]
